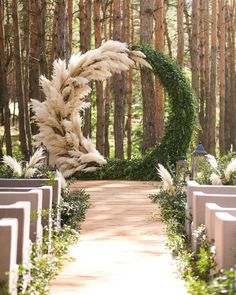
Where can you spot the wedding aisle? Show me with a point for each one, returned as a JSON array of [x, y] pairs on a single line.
[[122, 245]]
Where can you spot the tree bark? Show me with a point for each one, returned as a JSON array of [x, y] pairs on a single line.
[[18, 77], [34, 58], [60, 44], [128, 16], [147, 83], [100, 137], [85, 45], [159, 44], [180, 32], [222, 75], [232, 19], [212, 109], [3, 83], [194, 47], [26, 50], [118, 88], [70, 29], [207, 71], [202, 71]]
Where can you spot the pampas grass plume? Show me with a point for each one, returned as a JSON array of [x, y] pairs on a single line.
[[230, 169], [167, 180], [215, 179], [212, 161], [13, 164]]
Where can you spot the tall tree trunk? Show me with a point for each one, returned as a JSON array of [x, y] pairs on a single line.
[[194, 47], [34, 58], [118, 88], [202, 71], [19, 86], [107, 118], [26, 50], [70, 29], [128, 37], [207, 71], [100, 138], [85, 7], [212, 109], [188, 25], [167, 35], [147, 83], [107, 29], [180, 32], [159, 44], [222, 75], [60, 43], [42, 20], [232, 18], [3, 83]]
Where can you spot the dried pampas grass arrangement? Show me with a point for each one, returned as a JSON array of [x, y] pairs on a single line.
[[58, 117], [166, 178], [28, 170]]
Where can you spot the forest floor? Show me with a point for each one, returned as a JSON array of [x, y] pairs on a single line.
[[122, 245]]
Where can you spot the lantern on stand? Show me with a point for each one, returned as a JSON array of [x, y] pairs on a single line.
[[181, 168], [198, 156]]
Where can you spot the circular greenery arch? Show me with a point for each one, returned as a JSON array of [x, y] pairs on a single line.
[[178, 128]]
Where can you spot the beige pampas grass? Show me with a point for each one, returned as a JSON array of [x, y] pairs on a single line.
[[167, 180], [13, 164], [230, 169], [61, 177], [58, 117], [35, 160], [212, 161], [30, 172], [215, 179]]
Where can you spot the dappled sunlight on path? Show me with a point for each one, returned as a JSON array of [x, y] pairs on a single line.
[[122, 245]]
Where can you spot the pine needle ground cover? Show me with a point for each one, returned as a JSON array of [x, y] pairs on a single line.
[[178, 129]]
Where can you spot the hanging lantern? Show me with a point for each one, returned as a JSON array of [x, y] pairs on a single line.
[[198, 156], [181, 168]]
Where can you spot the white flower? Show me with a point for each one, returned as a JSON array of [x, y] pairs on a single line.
[[215, 179], [167, 181], [212, 161], [13, 164], [230, 169]]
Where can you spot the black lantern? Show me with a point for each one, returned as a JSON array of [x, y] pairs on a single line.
[[45, 153], [181, 168], [198, 155]]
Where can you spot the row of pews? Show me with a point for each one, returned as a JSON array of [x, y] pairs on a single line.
[[25, 214], [215, 207]]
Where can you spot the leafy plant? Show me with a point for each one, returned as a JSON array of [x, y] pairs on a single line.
[[73, 207]]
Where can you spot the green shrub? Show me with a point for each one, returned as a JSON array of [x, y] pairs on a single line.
[[73, 207]]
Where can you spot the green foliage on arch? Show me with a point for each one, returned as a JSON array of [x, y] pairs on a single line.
[[178, 129]]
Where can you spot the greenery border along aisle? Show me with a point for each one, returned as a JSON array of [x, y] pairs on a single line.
[[44, 264], [178, 129], [197, 269]]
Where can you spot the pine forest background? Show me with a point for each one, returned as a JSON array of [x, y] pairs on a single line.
[[129, 110]]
